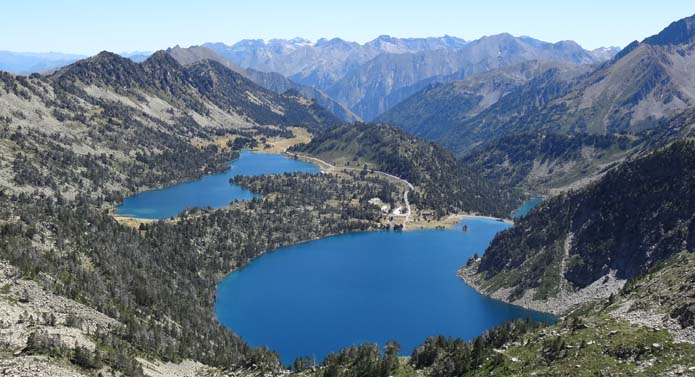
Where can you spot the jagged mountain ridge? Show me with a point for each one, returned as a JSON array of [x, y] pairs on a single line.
[[324, 61], [204, 80], [371, 78], [268, 80]]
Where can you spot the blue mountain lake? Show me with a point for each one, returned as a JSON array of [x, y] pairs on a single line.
[[322, 296], [211, 190]]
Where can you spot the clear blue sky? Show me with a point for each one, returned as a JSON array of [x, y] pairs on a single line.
[[89, 26]]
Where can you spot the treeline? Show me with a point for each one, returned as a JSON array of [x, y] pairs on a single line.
[[48, 160], [436, 357]]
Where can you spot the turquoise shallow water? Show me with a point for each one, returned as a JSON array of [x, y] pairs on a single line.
[[527, 207], [211, 190], [321, 296]]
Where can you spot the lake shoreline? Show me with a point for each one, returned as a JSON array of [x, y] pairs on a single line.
[[450, 222], [210, 190], [409, 243], [554, 307]]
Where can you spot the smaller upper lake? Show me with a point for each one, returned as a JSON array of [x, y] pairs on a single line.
[[527, 207], [211, 190]]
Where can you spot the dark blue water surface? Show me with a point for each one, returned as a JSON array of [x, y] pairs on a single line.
[[322, 296], [527, 207], [211, 190]]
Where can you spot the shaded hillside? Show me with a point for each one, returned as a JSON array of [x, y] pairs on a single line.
[[444, 183], [637, 215], [435, 112], [541, 161]]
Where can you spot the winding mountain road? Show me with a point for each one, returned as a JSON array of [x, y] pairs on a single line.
[[329, 167]]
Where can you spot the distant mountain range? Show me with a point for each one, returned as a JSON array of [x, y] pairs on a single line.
[[31, 62], [355, 81], [644, 84], [371, 78], [323, 63], [25, 63]]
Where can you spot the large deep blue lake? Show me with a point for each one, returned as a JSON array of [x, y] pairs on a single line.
[[321, 296], [213, 190]]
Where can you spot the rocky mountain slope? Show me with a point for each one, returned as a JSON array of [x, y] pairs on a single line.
[[268, 80], [647, 82], [433, 112], [584, 245], [134, 122]]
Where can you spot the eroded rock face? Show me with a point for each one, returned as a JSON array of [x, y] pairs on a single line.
[[37, 366], [633, 218], [25, 308]]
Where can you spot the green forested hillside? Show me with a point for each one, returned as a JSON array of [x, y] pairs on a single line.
[[444, 183], [636, 216]]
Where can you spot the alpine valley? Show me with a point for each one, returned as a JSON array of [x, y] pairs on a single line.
[[344, 209]]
